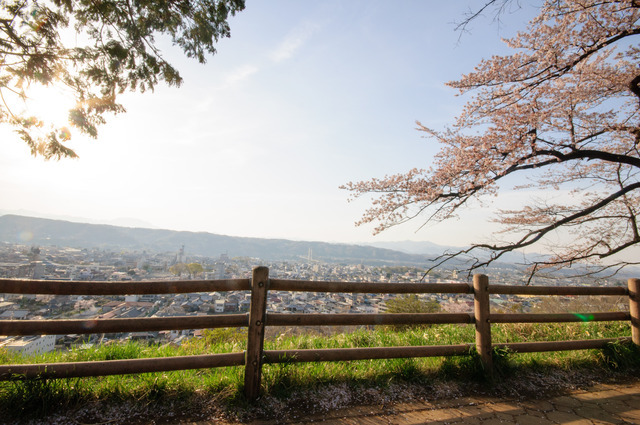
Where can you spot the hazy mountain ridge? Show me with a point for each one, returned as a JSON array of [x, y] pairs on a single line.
[[41, 231], [120, 221], [413, 247], [431, 250], [25, 230]]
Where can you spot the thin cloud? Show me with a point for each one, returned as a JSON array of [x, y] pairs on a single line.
[[241, 73], [293, 41]]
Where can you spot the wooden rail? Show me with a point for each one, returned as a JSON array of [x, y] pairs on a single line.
[[146, 324], [541, 346], [258, 319], [368, 353], [368, 287], [53, 287], [292, 319], [119, 367]]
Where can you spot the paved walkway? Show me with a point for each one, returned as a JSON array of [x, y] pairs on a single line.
[[602, 404]]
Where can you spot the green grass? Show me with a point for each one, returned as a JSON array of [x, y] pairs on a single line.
[[20, 399]]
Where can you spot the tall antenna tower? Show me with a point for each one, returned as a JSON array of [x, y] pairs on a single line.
[[181, 255]]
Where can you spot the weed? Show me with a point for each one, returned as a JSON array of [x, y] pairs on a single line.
[[39, 397], [224, 335], [407, 370], [467, 367], [620, 354], [361, 338], [502, 364]]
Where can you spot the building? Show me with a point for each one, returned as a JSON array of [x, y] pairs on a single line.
[[30, 346], [219, 306]]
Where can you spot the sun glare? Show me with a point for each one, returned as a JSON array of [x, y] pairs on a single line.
[[50, 104]]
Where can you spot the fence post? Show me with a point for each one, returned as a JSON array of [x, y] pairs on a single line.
[[483, 327], [255, 335], [634, 309]]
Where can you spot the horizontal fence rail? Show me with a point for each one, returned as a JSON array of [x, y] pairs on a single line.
[[56, 287], [258, 319], [541, 346], [368, 287], [119, 367], [368, 353], [293, 319], [559, 317], [557, 290], [145, 324]]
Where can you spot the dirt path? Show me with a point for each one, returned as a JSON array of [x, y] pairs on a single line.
[[600, 404], [556, 397]]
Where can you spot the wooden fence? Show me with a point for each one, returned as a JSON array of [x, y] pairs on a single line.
[[258, 318]]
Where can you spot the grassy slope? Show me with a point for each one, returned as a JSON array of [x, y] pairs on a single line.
[[219, 391]]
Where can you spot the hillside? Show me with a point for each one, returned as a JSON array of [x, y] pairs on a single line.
[[39, 231]]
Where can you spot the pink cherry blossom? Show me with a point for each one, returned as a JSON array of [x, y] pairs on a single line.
[[564, 111]]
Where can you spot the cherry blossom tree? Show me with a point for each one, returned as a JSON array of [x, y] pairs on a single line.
[[563, 111]]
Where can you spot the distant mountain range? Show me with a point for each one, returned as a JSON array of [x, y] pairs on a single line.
[[40, 231], [121, 221], [19, 229], [413, 247]]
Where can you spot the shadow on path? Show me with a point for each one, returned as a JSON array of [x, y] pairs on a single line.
[[601, 404]]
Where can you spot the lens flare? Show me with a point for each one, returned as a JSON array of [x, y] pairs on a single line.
[[584, 317], [25, 236]]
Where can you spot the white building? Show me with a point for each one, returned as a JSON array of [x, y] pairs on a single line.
[[219, 306], [30, 346]]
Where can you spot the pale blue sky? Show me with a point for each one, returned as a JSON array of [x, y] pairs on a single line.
[[304, 97]]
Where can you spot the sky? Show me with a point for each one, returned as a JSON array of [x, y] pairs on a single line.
[[304, 97]]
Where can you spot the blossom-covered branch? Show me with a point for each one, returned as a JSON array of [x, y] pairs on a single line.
[[562, 110]]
